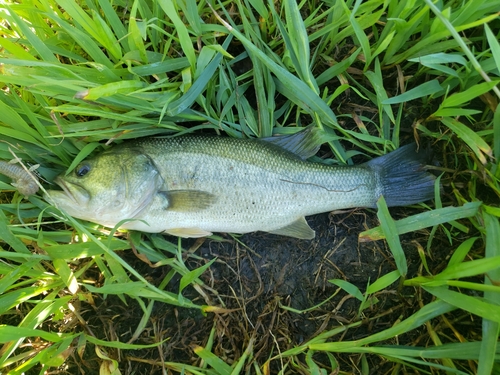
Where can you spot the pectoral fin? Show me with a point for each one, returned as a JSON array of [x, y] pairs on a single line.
[[298, 229], [188, 200], [188, 232]]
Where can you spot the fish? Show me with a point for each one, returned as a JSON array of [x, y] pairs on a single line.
[[195, 185]]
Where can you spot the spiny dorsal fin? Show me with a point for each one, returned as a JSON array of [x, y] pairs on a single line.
[[188, 200], [298, 229], [304, 143]]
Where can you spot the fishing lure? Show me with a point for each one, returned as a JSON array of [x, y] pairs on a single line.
[[25, 181]]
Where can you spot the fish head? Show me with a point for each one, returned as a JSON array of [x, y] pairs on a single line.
[[114, 186]]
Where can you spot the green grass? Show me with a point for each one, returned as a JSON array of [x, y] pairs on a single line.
[[77, 76]]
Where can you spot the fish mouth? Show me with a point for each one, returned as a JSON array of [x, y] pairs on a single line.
[[59, 181], [71, 193]]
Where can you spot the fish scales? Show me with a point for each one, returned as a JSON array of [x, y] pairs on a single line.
[[258, 185]]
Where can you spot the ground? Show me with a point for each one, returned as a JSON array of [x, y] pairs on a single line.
[[259, 278]]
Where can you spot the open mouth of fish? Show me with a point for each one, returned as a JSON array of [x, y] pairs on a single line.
[[70, 193]]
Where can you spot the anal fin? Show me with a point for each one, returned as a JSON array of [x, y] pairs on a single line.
[[298, 229]]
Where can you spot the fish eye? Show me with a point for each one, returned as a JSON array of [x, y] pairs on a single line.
[[83, 170]]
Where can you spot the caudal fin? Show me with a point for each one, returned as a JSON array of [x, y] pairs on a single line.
[[403, 176]]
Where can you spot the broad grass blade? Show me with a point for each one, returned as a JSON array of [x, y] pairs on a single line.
[[424, 220], [184, 102], [352, 289], [426, 313], [215, 362], [466, 96], [8, 237], [491, 328], [8, 333], [181, 29], [425, 89], [473, 305], [299, 43], [192, 276], [496, 133], [470, 137], [383, 282], [390, 231]]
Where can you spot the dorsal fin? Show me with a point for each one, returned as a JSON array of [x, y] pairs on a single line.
[[304, 143]]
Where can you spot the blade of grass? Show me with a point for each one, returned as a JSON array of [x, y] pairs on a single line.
[[264, 87], [147, 288], [8, 333], [491, 328], [337, 69], [496, 133], [109, 89], [214, 361], [135, 37], [494, 45], [473, 305], [67, 276], [391, 234], [375, 78], [426, 313], [398, 19], [424, 220], [425, 89], [114, 21], [458, 99], [297, 41], [462, 270], [461, 252], [84, 41], [37, 43], [192, 276], [51, 305], [358, 31], [470, 137], [181, 29], [383, 282], [184, 102], [8, 237], [352, 289]]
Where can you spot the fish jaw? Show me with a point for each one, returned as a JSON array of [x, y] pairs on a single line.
[[76, 193], [72, 199]]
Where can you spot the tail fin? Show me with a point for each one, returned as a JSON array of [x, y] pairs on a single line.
[[403, 177]]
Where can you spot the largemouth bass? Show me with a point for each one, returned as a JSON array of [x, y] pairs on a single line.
[[191, 186]]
